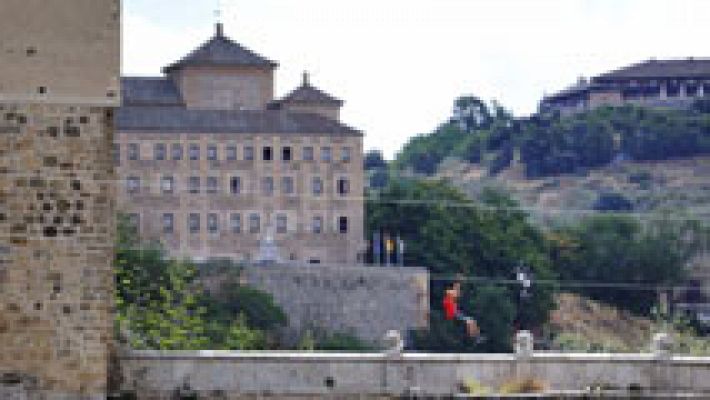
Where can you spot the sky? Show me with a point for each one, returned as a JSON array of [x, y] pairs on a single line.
[[399, 64]]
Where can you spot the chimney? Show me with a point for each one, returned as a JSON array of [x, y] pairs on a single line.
[[219, 30]]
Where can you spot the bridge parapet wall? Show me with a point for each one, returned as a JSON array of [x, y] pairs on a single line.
[[237, 375]]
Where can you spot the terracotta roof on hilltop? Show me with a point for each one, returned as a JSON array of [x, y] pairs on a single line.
[[178, 119], [307, 93], [679, 68], [221, 51]]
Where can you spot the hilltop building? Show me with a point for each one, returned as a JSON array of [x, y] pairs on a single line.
[[212, 164], [652, 83]]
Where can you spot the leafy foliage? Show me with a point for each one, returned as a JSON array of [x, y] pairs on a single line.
[[618, 249], [160, 306], [450, 234], [550, 144], [374, 160]]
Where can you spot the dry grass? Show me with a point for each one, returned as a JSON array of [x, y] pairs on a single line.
[[525, 385]]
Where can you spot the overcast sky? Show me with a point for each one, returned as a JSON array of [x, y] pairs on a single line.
[[399, 64]]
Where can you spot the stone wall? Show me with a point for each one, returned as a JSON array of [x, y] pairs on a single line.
[[364, 301], [58, 80], [56, 237], [238, 375]]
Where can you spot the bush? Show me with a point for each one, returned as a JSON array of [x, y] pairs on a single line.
[[342, 342], [613, 202]]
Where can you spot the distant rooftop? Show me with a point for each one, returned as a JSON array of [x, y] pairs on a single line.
[[181, 120], [307, 93], [676, 68], [140, 91], [221, 51]]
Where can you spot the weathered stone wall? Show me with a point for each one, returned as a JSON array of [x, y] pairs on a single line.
[[58, 74], [364, 301], [238, 375], [56, 230]]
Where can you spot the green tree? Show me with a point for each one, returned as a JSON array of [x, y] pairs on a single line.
[[374, 160], [160, 306], [450, 234], [612, 249]]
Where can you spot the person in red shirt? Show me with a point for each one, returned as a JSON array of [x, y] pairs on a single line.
[[451, 310]]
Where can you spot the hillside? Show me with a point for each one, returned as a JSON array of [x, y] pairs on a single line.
[[580, 324]]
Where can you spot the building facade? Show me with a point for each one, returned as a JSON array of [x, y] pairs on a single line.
[[653, 83], [213, 166]]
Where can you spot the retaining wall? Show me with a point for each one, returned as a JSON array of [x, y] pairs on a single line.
[[238, 375]]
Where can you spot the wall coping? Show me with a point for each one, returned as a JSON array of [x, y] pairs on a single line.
[[323, 356]]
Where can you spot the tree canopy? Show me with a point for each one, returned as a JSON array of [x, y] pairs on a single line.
[[450, 234], [550, 144]]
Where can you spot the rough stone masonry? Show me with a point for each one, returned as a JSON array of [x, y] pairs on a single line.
[[59, 69]]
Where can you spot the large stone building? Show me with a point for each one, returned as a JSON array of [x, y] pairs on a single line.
[[59, 83], [652, 83], [213, 166]]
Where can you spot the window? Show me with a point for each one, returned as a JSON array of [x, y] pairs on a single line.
[[194, 151], [235, 220], [317, 184], [317, 225], [168, 223], [308, 153], [281, 223], [212, 223], [134, 151], [343, 224], [343, 187], [167, 184], [117, 154], [287, 185], [254, 223], [325, 154], [249, 153], [134, 222], [212, 184], [193, 223], [133, 184], [691, 90], [267, 186], [267, 156], [212, 152], [194, 184], [286, 154], [159, 151], [231, 153], [345, 154], [176, 151], [235, 185]]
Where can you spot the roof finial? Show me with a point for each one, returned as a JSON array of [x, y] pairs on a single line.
[[306, 78], [219, 29]]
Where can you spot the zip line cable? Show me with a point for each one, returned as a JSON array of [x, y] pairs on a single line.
[[560, 283]]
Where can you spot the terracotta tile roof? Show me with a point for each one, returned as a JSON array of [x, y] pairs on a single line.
[[221, 51], [179, 119], [679, 68]]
